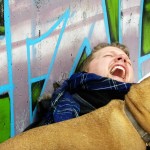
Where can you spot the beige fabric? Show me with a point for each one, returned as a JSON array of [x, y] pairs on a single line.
[[104, 129]]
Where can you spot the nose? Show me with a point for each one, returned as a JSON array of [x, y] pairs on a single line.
[[121, 58]]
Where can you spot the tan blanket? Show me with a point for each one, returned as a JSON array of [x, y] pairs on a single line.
[[107, 128]]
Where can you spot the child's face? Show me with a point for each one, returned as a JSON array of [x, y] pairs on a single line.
[[113, 63]]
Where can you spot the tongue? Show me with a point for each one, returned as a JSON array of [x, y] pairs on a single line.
[[118, 73]]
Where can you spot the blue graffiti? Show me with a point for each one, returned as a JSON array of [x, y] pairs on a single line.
[[10, 86], [30, 42], [85, 45]]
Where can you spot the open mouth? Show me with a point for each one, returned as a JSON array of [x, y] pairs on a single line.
[[118, 71]]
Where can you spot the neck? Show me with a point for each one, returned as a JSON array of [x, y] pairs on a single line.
[[144, 135]]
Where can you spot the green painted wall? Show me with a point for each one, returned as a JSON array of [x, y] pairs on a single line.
[[112, 12], [4, 117], [146, 28]]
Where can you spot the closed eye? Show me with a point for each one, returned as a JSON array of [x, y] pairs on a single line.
[[108, 55]]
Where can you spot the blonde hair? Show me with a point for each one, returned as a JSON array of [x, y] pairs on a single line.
[[84, 65]]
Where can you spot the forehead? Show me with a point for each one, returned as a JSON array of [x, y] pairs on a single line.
[[109, 49]]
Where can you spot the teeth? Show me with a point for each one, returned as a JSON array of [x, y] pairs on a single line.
[[118, 67]]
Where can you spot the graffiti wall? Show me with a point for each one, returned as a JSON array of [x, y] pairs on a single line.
[[42, 41]]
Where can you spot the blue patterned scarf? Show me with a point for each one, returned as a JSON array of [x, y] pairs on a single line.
[[63, 105]]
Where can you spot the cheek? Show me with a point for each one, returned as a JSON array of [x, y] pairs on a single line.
[[102, 70], [99, 67], [131, 73], [94, 67]]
